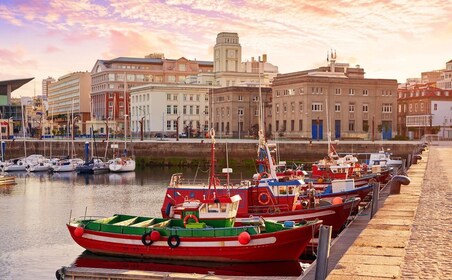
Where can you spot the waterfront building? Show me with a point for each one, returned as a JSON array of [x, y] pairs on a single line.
[[68, 104], [235, 111], [45, 85], [168, 109], [445, 81], [431, 76], [113, 79], [424, 109], [336, 98]]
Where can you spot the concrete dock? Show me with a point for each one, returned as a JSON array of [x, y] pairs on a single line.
[[409, 236]]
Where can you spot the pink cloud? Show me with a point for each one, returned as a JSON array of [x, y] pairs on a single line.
[[52, 49], [15, 59]]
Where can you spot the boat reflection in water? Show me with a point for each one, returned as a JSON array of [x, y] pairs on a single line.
[[285, 268]]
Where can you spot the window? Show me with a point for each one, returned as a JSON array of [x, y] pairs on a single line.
[[191, 110], [175, 97], [185, 97], [285, 107], [317, 107], [387, 108], [240, 98], [184, 110], [175, 109], [365, 108], [111, 77], [351, 107], [338, 91], [182, 67], [174, 124], [365, 92], [337, 107], [435, 107], [206, 110], [240, 111], [277, 108], [168, 96], [365, 125], [300, 105], [191, 97], [277, 125], [292, 125], [351, 125], [301, 90], [168, 109], [197, 110], [168, 125], [300, 125], [292, 107], [351, 91]]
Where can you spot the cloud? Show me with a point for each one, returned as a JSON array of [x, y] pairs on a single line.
[[52, 49]]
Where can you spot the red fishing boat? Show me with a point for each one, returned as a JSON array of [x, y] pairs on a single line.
[[200, 230], [265, 195]]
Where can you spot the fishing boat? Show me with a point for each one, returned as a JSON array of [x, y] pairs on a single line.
[[201, 230], [384, 159], [264, 195]]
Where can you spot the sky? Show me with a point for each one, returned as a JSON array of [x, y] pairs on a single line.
[[389, 39]]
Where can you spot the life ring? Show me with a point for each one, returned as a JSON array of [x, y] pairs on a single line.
[[190, 216], [168, 209], [144, 239], [263, 198], [172, 239]]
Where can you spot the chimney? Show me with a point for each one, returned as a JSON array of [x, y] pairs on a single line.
[[264, 57]]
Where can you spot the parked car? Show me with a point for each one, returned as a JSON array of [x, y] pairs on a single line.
[[183, 135], [160, 135]]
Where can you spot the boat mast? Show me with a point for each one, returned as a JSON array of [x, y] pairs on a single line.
[[23, 127], [212, 180], [125, 114]]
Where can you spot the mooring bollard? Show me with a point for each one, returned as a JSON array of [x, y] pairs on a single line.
[[375, 197], [397, 181], [323, 252]]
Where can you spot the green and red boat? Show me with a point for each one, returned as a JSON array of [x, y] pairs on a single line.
[[199, 230]]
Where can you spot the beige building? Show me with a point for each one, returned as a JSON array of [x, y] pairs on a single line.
[[235, 111], [335, 98], [68, 101]]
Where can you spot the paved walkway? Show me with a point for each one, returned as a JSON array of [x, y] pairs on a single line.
[[410, 236], [429, 251]]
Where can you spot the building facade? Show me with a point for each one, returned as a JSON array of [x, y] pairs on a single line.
[[445, 81], [236, 111], [424, 109], [336, 98], [168, 109], [68, 104], [113, 79]]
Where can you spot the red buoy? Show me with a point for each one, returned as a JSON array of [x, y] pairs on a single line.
[[155, 235], [244, 238], [337, 200], [79, 231]]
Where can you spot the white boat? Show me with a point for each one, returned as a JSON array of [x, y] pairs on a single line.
[[383, 158], [13, 165], [122, 164], [67, 165], [37, 163]]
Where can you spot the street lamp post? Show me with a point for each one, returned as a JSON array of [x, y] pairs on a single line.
[[141, 128], [177, 128]]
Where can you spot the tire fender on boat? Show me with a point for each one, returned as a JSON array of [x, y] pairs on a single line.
[[145, 240], [173, 241]]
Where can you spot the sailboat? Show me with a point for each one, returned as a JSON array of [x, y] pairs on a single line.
[[123, 163]]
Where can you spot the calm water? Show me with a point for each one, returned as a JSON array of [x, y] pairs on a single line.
[[34, 241]]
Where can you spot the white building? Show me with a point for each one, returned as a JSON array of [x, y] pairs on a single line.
[[170, 108]]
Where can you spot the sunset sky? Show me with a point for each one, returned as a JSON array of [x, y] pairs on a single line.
[[389, 39]]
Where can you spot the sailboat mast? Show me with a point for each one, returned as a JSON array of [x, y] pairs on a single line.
[[125, 113], [23, 128]]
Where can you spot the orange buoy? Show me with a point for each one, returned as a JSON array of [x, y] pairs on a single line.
[[244, 238], [337, 200], [79, 231]]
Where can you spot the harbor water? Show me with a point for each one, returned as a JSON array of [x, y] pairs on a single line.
[[34, 239]]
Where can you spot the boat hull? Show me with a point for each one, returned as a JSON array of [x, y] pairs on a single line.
[[284, 245]]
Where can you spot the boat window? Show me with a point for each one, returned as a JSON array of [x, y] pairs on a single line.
[[282, 190], [290, 190], [223, 207]]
